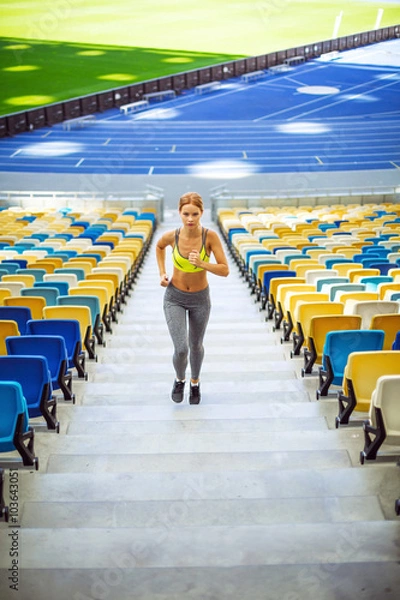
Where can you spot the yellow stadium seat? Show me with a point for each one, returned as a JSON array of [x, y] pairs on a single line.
[[361, 374]]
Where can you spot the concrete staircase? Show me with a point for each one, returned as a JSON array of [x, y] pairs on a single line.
[[251, 495]]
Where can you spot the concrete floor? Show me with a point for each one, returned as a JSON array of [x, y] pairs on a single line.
[[253, 494]]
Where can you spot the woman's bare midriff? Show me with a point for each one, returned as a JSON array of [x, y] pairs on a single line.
[[189, 282]]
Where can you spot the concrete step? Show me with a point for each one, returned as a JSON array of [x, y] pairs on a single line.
[[219, 546], [198, 513], [186, 463], [197, 426], [205, 485], [134, 442], [203, 412], [367, 580]]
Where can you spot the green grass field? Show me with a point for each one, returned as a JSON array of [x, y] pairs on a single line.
[[68, 48]]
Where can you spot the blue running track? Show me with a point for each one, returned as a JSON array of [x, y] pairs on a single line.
[[337, 113]]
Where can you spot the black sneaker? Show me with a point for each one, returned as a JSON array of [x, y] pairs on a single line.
[[177, 391], [194, 396]]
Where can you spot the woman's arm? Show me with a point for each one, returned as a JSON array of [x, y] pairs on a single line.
[[163, 242], [221, 266]]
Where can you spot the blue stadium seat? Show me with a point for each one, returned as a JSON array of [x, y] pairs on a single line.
[[20, 263], [384, 267], [10, 267], [371, 282], [20, 314], [51, 347], [329, 280], [37, 273], [80, 273], [338, 346], [15, 432], [62, 286], [69, 329], [32, 373], [50, 294], [266, 301]]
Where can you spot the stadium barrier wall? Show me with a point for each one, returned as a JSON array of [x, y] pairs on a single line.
[[150, 198], [52, 114]]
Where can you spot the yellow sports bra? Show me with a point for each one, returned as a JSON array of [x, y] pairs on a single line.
[[182, 263]]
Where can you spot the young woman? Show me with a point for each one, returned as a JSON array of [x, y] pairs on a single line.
[[187, 299]]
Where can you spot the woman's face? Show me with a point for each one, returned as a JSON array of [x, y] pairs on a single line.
[[190, 215]]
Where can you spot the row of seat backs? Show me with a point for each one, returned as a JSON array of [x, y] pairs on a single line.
[[280, 283], [66, 310], [316, 325]]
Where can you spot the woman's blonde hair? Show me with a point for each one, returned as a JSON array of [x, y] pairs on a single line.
[[191, 198]]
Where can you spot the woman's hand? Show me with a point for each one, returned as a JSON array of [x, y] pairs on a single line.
[[164, 281], [194, 258]]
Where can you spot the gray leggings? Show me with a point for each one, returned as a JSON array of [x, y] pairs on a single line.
[[187, 315]]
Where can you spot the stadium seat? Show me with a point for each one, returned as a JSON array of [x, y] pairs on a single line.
[[305, 311], [81, 314], [314, 275], [7, 328], [349, 298], [104, 294], [52, 347], [14, 287], [27, 280], [69, 278], [335, 262], [292, 255], [320, 326], [291, 301], [257, 277], [359, 381], [333, 288], [69, 329], [329, 280], [93, 303], [390, 324], [118, 272], [9, 266], [37, 273], [384, 267], [62, 286], [32, 373], [357, 273], [35, 304], [303, 268], [4, 293], [112, 280], [77, 271], [50, 294], [46, 265], [338, 345], [80, 263], [285, 288], [267, 294], [15, 433], [384, 288], [383, 424], [367, 309], [372, 283], [19, 314]]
